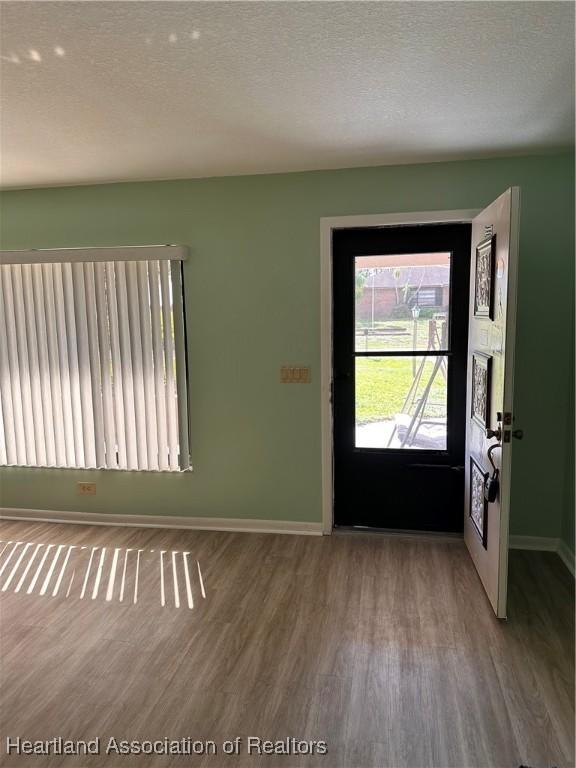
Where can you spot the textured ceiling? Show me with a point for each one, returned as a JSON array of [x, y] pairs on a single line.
[[105, 91]]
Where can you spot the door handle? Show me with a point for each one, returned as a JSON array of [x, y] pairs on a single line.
[[497, 433], [518, 434]]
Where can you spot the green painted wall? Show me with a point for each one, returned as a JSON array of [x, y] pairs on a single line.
[[253, 286], [568, 528]]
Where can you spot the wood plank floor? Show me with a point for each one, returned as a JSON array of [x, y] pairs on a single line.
[[384, 647]]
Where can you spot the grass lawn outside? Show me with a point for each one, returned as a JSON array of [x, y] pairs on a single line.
[[382, 384]]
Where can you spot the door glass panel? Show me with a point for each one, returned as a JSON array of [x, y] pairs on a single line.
[[401, 402], [402, 302]]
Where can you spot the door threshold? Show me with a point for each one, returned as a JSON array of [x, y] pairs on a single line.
[[446, 537]]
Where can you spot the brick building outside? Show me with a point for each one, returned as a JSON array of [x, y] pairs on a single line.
[[387, 289]]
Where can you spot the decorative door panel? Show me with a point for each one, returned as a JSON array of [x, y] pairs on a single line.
[[490, 390]]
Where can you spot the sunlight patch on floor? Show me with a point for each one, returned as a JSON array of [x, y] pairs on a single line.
[[111, 574]]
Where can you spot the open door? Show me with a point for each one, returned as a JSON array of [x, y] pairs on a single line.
[[489, 431]]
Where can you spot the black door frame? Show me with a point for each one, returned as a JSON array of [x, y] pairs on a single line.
[[327, 226]]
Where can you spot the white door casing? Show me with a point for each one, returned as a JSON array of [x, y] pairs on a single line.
[[490, 385], [327, 226]]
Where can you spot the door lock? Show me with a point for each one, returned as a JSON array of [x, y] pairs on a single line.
[[497, 433]]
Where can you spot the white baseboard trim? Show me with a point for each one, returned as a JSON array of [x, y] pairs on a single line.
[[162, 521], [567, 556], [545, 544], [540, 543]]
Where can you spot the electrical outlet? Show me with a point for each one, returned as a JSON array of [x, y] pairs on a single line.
[[86, 489]]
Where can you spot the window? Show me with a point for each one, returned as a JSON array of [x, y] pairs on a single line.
[[92, 359], [402, 342], [425, 297]]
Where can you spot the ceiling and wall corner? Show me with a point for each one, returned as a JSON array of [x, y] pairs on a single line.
[[109, 91]]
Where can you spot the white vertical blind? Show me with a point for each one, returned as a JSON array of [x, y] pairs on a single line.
[[159, 367], [93, 365], [36, 302], [147, 365], [172, 418], [22, 360], [9, 384], [63, 436], [108, 408]]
